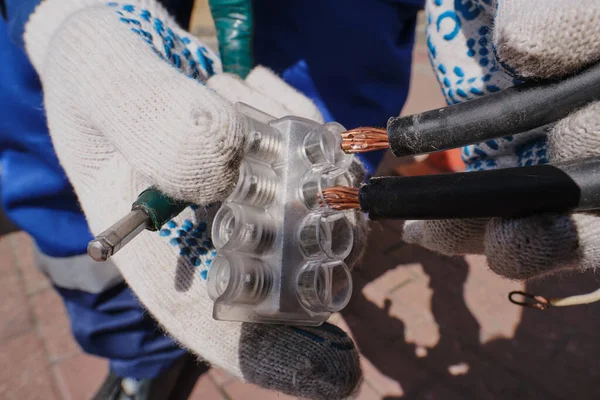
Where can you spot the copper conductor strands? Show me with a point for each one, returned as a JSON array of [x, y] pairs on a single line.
[[364, 139], [533, 106], [341, 198]]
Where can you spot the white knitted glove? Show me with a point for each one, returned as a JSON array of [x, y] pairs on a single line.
[[478, 47], [127, 109]]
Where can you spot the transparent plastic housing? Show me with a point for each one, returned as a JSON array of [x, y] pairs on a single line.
[[280, 250]]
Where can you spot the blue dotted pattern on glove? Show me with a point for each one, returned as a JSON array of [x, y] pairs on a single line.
[[456, 83], [533, 152], [170, 47], [192, 239], [460, 83]]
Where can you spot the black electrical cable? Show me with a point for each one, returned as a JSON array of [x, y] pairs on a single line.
[[511, 111], [510, 192]]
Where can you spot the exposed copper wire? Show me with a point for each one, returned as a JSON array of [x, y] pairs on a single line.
[[341, 198], [364, 139]]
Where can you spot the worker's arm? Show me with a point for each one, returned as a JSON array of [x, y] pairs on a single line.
[[480, 49], [130, 104]]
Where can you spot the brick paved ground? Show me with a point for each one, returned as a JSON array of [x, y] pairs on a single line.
[[428, 327]]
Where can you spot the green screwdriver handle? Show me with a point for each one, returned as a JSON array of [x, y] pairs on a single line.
[[159, 207]]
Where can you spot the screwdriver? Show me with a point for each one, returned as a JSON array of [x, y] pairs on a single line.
[[151, 210]]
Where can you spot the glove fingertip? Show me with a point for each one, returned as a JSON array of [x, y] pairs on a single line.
[[524, 248], [320, 363], [413, 232]]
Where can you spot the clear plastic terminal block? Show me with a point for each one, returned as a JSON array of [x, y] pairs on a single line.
[[280, 250]]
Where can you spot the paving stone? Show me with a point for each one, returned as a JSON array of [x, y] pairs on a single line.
[[80, 376], [206, 389], [238, 390], [53, 324], [24, 370], [15, 316], [33, 278]]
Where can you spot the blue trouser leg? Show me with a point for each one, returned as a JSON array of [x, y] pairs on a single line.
[[113, 325]]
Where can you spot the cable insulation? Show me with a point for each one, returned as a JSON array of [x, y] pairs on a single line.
[[526, 107]]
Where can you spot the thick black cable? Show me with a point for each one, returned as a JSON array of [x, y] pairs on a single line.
[[511, 111], [510, 192]]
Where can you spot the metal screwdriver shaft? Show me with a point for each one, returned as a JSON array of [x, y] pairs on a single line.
[[118, 235], [151, 210]]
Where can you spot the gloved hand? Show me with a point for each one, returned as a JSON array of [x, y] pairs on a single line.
[[479, 47], [127, 109]]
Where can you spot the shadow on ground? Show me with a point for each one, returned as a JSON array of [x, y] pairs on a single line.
[[553, 354]]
